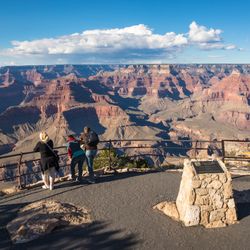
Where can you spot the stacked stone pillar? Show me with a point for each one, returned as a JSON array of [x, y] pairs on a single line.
[[203, 199]]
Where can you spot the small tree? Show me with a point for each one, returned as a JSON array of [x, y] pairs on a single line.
[[117, 161], [102, 159]]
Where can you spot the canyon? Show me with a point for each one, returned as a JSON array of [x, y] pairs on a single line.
[[198, 102]]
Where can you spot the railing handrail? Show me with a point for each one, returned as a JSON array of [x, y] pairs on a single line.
[[233, 140], [137, 140], [110, 146]]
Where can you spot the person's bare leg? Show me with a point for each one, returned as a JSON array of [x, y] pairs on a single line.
[[51, 183], [51, 178], [45, 180]]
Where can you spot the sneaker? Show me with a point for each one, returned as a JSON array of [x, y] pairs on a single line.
[[44, 187], [71, 179], [91, 181], [78, 179]]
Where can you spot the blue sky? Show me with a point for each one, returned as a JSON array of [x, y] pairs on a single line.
[[132, 31]]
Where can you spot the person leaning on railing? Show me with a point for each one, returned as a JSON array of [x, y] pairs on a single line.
[[76, 156], [49, 161], [89, 140]]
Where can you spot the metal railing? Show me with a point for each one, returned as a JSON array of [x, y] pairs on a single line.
[[110, 145]]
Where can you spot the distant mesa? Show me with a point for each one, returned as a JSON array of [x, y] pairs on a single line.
[[124, 101]]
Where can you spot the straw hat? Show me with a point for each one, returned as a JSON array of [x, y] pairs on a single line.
[[44, 136]]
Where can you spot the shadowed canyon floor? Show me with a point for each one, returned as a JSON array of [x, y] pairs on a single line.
[[199, 102], [121, 206]]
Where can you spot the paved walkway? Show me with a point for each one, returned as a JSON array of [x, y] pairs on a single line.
[[123, 217]]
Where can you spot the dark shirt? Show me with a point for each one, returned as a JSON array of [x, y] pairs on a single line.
[[84, 140], [44, 149]]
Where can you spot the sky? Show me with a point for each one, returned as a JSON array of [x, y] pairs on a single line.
[[127, 31]]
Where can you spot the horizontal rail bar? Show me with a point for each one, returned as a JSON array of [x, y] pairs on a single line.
[[117, 140], [227, 140], [160, 147], [235, 157], [137, 140], [145, 146]]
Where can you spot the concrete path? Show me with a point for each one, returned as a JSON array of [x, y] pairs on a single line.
[[123, 217]]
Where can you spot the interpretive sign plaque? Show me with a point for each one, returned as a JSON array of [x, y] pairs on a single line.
[[207, 167]]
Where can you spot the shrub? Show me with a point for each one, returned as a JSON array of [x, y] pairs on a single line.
[[118, 161]]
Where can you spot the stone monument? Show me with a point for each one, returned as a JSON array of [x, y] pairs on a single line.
[[205, 196]]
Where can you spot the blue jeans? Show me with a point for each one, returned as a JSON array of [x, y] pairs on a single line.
[[79, 160], [90, 155]]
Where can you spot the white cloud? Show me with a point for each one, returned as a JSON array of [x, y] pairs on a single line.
[[207, 39], [214, 46], [119, 44], [229, 47], [216, 56], [101, 41], [202, 34]]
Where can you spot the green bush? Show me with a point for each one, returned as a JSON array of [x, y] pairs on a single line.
[[102, 159], [122, 161]]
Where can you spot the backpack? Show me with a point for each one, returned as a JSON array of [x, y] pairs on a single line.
[[92, 139]]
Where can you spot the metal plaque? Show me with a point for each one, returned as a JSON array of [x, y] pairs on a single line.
[[207, 167]]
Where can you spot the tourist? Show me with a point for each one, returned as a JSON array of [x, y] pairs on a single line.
[[49, 160], [89, 141], [77, 157]]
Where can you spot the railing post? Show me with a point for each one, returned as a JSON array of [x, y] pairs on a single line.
[[223, 150], [19, 171], [195, 149], [110, 160]]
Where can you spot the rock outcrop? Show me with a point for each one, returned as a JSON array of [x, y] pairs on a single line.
[[40, 218]]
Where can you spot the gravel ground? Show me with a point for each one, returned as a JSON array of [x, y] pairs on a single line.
[[121, 207]]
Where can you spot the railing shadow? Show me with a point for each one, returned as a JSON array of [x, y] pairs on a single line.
[[43, 194], [70, 186], [21, 194], [120, 176], [107, 178]]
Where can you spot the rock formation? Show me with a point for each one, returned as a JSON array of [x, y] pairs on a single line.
[[40, 218], [124, 101]]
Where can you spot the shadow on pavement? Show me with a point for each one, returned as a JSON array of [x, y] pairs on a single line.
[[119, 176], [67, 186], [243, 210], [22, 194], [71, 185], [100, 179], [241, 178], [7, 213], [242, 200], [96, 235]]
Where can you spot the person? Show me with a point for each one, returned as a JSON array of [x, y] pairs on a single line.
[[213, 150], [76, 155], [49, 161], [89, 140]]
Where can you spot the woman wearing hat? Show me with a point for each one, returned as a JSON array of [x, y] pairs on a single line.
[[49, 162]]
